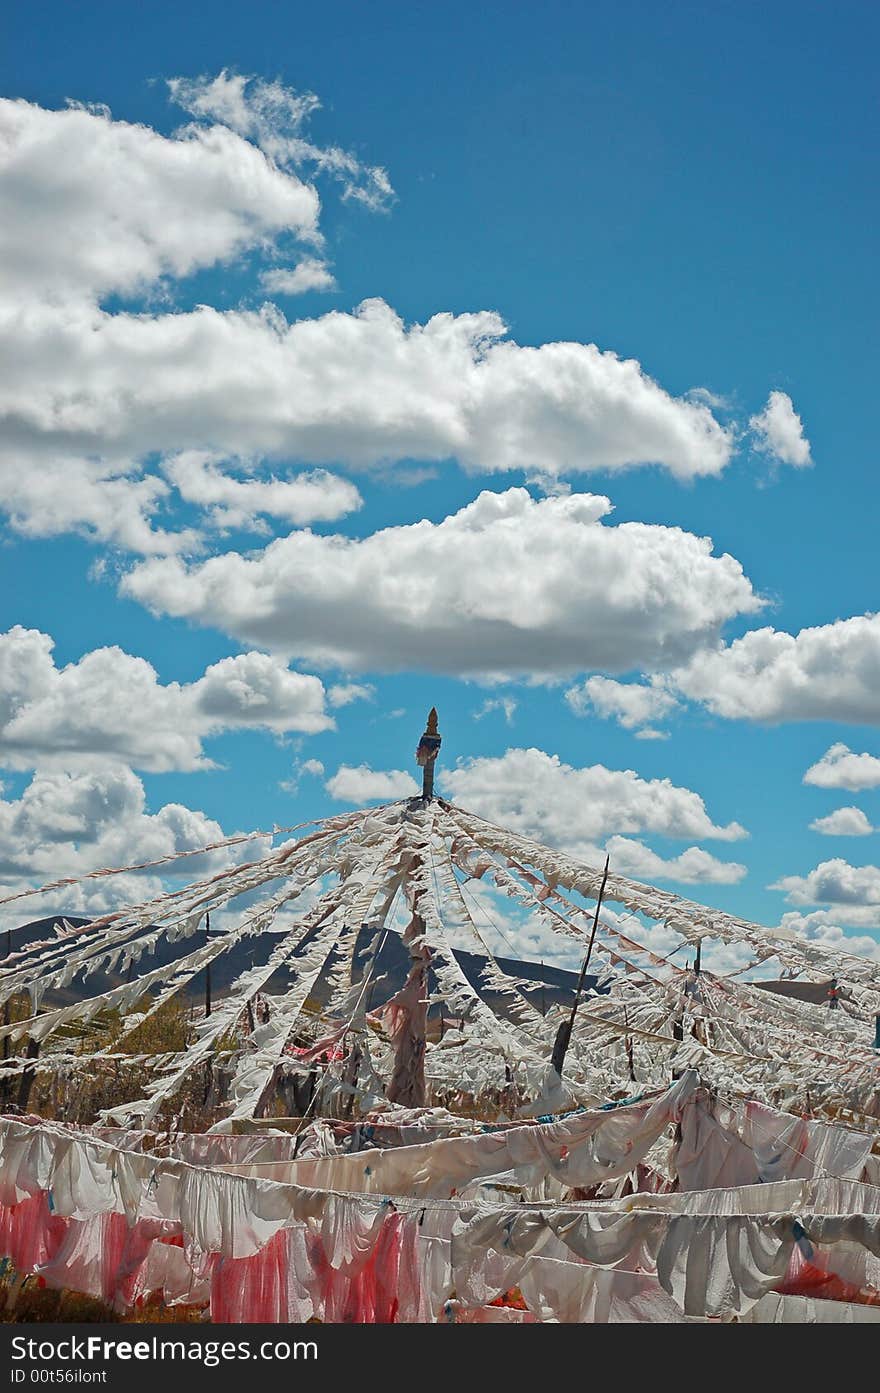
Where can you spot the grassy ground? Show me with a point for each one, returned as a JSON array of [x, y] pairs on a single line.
[[77, 1093], [30, 1303]]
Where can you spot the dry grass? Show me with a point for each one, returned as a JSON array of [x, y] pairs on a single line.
[[78, 1093], [31, 1303]]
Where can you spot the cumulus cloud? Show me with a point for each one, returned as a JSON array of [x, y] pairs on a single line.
[[509, 584], [66, 824], [308, 274], [837, 883], [361, 784], [122, 505], [110, 705], [344, 693], [92, 395], [96, 206], [312, 496], [827, 673], [359, 388], [253, 689], [307, 768], [778, 431], [103, 501], [819, 926], [839, 767], [275, 117], [590, 811], [545, 797], [843, 822], [692, 867], [632, 705], [105, 391]]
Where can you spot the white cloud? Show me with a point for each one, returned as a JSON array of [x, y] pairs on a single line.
[[344, 693], [66, 824], [839, 767], [122, 505], [357, 389], [827, 673], [92, 394], [631, 704], [362, 784], [86, 900], [308, 274], [254, 689], [548, 798], [692, 867], [99, 206], [539, 796], [843, 822], [274, 117], [95, 206], [106, 502], [313, 496], [505, 704], [112, 706], [779, 432], [507, 585], [837, 883], [820, 928], [311, 768]]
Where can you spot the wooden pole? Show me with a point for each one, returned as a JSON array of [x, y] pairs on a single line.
[[563, 1035], [7, 1005], [27, 1076], [407, 1083], [208, 967], [426, 754]]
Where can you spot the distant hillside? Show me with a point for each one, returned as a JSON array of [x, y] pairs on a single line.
[[550, 985]]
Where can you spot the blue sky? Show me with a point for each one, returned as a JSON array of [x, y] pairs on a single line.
[[690, 187]]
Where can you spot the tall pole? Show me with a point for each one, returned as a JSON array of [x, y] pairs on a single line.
[[407, 1082], [208, 967], [563, 1035], [426, 754], [7, 1009]]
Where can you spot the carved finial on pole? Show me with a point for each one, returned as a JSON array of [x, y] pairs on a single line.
[[426, 754]]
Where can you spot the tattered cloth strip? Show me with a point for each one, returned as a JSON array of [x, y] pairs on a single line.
[[740, 1144], [711, 1264], [692, 921], [89, 1214], [774, 1309], [657, 1020]]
